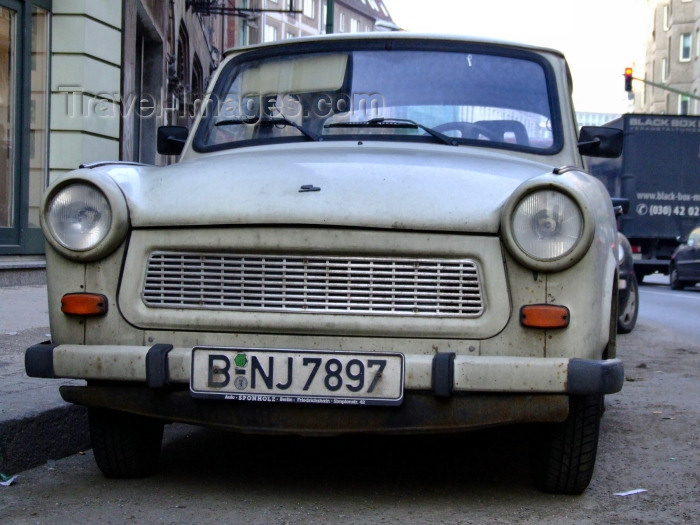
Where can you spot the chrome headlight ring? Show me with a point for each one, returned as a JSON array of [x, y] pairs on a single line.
[[547, 226], [84, 218]]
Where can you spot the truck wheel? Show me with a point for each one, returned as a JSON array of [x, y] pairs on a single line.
[[563, 454], [639, 274], [124, 445], [676, 283], [627, 319]]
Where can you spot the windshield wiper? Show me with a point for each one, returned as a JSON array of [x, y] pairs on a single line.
[[270, 121], [381, 122]]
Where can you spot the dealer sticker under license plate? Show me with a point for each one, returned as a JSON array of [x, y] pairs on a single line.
[[293, 376]]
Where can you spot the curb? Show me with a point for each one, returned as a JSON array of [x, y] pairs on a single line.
[[32, 441], [22, 271]]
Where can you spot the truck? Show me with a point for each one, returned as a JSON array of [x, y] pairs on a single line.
[[659, 173]]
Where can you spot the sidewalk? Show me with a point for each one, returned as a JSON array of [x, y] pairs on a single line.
[[36, 425]]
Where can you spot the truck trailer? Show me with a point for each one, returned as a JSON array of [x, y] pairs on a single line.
[[659, 173]]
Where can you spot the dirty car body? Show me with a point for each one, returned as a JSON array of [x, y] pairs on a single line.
[[377, 234]]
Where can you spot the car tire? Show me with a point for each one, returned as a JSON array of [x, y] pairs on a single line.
[[124, 445], [628, 312], [676, 283], [563, 454]]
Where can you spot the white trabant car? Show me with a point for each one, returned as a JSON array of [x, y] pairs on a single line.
[[386, 233]]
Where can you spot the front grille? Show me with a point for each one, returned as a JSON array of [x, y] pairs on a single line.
[[338, 285]]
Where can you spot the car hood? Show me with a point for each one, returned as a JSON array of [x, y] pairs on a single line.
[[359, 185]]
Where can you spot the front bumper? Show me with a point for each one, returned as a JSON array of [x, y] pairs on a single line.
[[442, 392], [443, 373]]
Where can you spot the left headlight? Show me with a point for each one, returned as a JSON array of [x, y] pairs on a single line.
[[85, 220], [79, 217], [547, 228]]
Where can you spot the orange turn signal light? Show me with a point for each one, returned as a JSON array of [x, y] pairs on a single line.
[[544, 316], [84, 304]]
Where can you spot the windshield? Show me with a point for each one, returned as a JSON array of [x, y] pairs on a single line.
[[453, 97]]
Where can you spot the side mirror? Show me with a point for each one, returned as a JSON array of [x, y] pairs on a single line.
[[171, 139], [598, 141]]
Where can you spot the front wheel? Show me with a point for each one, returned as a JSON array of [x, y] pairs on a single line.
[[629, 311], [125, 445], [563, 454], [676, 283]]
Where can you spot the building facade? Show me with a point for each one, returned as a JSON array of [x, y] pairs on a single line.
[[91, 80], [672, 60], [276, 21], [594, 119]]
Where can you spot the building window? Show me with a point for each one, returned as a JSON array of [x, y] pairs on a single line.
[[354, 25], [309, 9], [39, 114], [197, 79], [667, 17], [25, 39], [683, 104], [8, 127], [686, 47], [341, 23], [183, 60], [270, 33], [664, 69], [290, 35]]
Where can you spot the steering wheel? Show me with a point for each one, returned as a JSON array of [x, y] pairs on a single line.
[[469, 130]]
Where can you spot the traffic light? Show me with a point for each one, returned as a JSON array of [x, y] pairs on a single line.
[[628, 79]]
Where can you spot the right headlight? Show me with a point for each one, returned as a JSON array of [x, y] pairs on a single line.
[[85, 219], [546, 228]]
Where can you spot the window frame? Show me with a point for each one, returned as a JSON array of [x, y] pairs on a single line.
[[270, 30], [664, 69], [232, 68], [22, 238], [685, 37], [309, 9]]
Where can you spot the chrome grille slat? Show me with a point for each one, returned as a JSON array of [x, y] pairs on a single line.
[[314, 283]]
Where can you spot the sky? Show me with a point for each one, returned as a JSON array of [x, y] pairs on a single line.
[[600, 38]]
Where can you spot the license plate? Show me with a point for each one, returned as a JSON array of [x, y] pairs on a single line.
[[293, 376]]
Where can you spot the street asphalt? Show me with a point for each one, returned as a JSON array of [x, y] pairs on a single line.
[[36, 425]]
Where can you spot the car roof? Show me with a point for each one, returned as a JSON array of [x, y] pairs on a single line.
[[393, 36]]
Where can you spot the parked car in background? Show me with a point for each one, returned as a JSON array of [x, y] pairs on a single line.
[[628, 288], [628, 304], [685, 262], [382, 233]]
